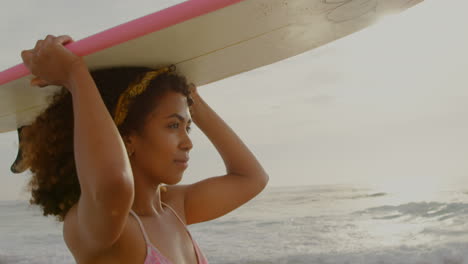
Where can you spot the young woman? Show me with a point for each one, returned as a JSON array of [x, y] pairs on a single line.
[[101, 152]]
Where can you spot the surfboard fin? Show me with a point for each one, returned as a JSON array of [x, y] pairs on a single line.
[[19, 165]]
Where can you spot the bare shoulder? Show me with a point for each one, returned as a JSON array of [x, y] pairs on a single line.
[[174, 196]]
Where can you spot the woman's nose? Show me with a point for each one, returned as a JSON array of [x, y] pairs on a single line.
[[186, 142]]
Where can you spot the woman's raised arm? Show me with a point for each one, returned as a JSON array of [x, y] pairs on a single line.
[[244, 179], [102, 165]]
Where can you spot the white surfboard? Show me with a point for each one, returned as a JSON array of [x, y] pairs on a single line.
[[207, 40]]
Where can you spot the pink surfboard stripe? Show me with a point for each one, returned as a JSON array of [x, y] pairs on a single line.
[[130, 30]]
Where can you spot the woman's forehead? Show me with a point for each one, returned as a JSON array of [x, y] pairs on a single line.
[[172, 105]]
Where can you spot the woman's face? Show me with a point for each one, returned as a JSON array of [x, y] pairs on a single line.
[[164, 141]]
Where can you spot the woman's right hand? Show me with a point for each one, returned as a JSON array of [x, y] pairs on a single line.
[[51, 62]]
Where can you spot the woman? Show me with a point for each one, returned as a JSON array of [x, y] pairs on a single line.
[[102, 150]]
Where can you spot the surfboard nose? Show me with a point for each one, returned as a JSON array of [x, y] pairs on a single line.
[[19, 165]]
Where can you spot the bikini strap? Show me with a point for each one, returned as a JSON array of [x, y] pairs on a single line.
[[194, 243], [180, 219], [141, 227]]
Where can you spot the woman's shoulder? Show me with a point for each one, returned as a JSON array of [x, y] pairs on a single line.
[[174, 197]]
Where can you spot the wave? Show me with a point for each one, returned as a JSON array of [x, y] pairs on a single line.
[[450, 253], [316, 196], [437, 210], [361, 196]]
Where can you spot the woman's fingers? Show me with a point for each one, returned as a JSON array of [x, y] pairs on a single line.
[[38, 44], [26, 56], [49, 38], [192, 88], [64, 39], [50, 62]]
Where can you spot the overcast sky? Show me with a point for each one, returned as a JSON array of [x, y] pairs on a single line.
[[386, 106]]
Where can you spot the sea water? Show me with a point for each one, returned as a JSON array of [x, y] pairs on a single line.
[[309, 224]]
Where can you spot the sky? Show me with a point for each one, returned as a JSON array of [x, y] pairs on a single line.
[[384, 107]]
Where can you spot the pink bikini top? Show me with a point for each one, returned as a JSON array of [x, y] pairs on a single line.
[[153, 256]]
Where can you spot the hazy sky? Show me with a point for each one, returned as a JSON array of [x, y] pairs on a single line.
[[386, 106]]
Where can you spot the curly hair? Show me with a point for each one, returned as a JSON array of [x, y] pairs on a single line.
[[47, 144]]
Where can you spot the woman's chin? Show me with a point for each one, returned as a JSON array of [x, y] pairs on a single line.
[[175, 179]]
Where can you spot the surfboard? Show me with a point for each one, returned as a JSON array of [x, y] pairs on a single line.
[[207, 41]]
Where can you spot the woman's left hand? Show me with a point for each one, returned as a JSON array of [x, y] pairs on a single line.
[[193, 88], [195, 100]]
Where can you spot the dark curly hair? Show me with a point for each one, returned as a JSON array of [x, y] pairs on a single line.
[[47, 144]]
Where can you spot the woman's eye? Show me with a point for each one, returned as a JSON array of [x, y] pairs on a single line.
[[176, 125]]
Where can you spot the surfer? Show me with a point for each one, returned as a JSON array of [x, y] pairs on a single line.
[[108, 152]]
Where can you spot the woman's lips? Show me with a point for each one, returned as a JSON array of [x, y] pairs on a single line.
[[183, 163]]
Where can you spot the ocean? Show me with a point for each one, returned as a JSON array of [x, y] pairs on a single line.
[[302, 225]]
